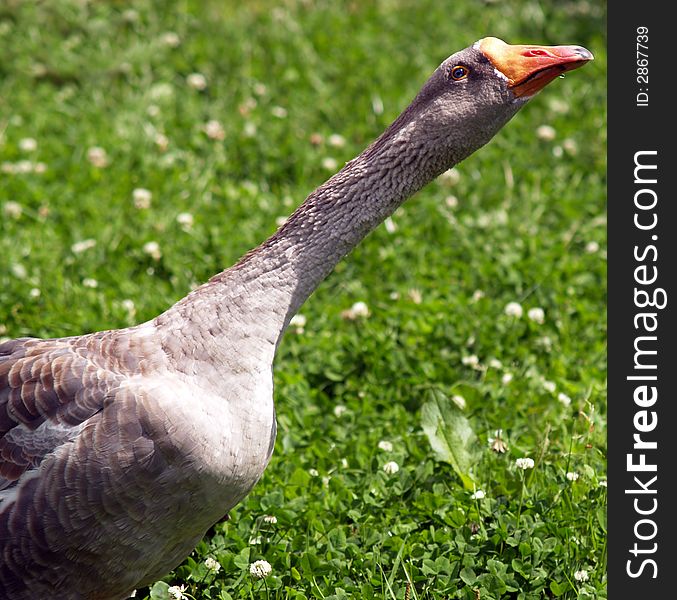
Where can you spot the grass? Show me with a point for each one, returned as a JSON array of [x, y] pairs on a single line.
[[522, 221]]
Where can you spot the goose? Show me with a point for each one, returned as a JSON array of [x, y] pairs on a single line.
[[119, 449]]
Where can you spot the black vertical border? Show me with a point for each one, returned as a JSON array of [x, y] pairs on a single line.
[[633, 128]]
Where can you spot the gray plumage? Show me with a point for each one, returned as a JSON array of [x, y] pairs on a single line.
[[119, 449]]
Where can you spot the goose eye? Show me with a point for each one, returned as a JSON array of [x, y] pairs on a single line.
[[459, 72]]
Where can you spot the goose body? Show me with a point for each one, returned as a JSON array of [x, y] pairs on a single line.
[[119, 449]]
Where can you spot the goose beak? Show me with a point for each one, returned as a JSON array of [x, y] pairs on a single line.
[[529, 69]]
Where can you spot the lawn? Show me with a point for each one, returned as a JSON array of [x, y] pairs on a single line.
[[146, 146]]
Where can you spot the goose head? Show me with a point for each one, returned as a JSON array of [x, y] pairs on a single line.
[[474, 92]]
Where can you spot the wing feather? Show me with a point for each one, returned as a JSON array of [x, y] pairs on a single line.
[[48, 390]]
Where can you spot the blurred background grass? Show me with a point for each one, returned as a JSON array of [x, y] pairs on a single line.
[[226, 115]]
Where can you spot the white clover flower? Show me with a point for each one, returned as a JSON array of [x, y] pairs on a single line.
[[18, 270], [39, 167], [415, 295], [260, 88], [524, 463], [12, 209], [359, 310], [298, 322], [581, 575], [336, 140], [97, 156], [471, 361], [506, 378], [391, 467], [34, 292], [272, 519], [129, 306], [89, 282], [185, 219], [572, 476], [494, 363], [176, 592], [546, 133], [451, 201], [592, 247], [602, 483], [558, 105], [477, 495], [329, 163], [247, 106], [496, 443], [142, 198], [450, 177], [564, 399], [484, 220], [536, 314], [459, 401], [130, 15], [161, 141], [313, 472], [214, 130], [549, 386], [81, 246], [545, 342], [153, 250], [212, 564], [513, 309], [28, 145], [478, 295], [23, 166], [260, 569], [278, 111], [197, 81], [170, 39], [161, 91], [385, 445], [570, 146], [339, 410]]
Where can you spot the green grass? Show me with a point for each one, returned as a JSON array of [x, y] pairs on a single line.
[[524, 221]]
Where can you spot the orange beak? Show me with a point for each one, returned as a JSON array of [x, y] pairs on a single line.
[[529, 69]]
